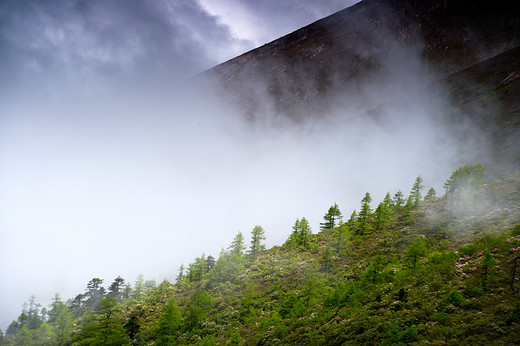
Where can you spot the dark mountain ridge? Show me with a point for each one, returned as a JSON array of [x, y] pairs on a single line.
[[303, 69], [353, 60]]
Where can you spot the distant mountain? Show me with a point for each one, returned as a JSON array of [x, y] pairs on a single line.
[[300, 69], [376, 45]]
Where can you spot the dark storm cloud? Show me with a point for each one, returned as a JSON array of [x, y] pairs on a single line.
[[115, 39]]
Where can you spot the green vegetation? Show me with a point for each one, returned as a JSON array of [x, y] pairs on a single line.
[[438, 270]]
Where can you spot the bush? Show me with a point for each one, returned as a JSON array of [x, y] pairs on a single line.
[[395, 335], [455, 298], [516, 230]]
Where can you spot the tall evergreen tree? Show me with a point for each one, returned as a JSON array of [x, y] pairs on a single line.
[[417, 249], [210, 263], [138, 286], [105, 327], [352, 221], [257, 236], [63, 326], [115, 290], [382, 216], [301, 233], [24, 337], [333, 215], [34, 320], [237, 246], [388, 200], [197, 309], [169, 324], [415, 194], [180, 276], [363, 224], [44, 336], [398, 201], [430, 194], [94, 293]]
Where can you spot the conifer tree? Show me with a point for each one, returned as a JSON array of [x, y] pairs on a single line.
[[398, 201], [180, 276], [415, 194], [365, 213], [210, 263], [382, 216], [94, 293], [417, 249], [301, 233], [388, 200], [257, 236], [333, 215], [352, 221], [197, 309], [63, 326], [169, 324], [138, 286], [105, 326], [24, 337], [44, 335], [237, 246], [116, 289], [430, 194], [326, 259], [340, 236]]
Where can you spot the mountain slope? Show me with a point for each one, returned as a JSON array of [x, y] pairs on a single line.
[[299, 73], [444, 272]]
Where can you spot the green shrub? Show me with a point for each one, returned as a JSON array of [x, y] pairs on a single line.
[[455, 298], [516, 230]]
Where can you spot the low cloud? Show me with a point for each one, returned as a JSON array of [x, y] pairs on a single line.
[[108, 171]]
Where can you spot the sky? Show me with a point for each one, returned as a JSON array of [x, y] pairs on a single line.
[[110, 165]]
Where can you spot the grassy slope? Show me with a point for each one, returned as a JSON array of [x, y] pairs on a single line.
[[369, 291]]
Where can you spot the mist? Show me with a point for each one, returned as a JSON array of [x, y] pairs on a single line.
[[127, 174]]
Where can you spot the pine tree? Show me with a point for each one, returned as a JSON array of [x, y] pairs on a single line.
[[417, 249], [197, 309], [301, 233], [430, 194], [388, 200], [382, 216], [210, 263], [352, 221], [363, 224], [257, 236], [180, 276], [237, 246], [115, 290], [332, 216], [169, 324], [138, 286], [94, 293], [340, 236], [105, 327], [326, 259], [24, 337], [398, 201], [415, 194]]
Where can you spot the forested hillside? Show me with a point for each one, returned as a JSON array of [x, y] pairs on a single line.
[[422, 267]]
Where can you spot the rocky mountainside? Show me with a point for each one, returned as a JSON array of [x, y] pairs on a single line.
[[354, 60], [301, 71]]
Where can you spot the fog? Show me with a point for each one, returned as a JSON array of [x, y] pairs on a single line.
[[116, 168]]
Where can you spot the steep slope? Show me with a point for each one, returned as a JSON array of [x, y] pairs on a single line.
[[488, 93], [443, 272], [301, 73]]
